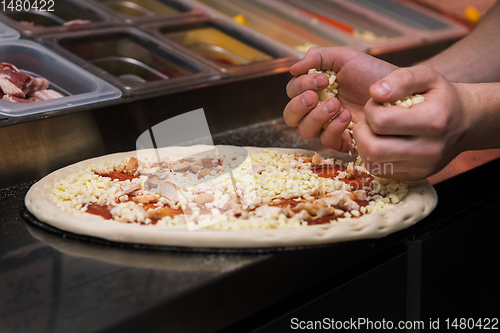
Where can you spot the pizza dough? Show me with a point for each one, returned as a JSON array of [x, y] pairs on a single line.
[[418, 203]]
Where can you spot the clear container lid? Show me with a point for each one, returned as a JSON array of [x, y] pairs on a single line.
[[342, 17], [132, 60], [430, 25], [226, 46], [78, 86], [405, 14], [7, 33], [142, 11], [296, 35], [68, 15]]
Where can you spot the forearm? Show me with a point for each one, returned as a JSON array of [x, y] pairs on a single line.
[[482, 108], [475, 58]]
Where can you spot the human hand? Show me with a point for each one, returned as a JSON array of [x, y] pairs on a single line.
[[356, 71], [413, 143]]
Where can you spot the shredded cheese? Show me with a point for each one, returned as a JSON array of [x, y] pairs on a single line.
[[333, 87], [408, 101], [279, 177]]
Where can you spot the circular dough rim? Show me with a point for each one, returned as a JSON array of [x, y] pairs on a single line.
[[419, 202]]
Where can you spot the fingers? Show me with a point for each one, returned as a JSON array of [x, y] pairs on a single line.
[[398, 120], [374, 148], [311, 125], [394, 170], [310, 117], [299, 107], [332, 135], [323, 58], [403, 82], [315, 82], [404, 158], [381, 149]]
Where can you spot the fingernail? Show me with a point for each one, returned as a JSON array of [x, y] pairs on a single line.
[[383, 88], [307, 100], [343, 117], [320, 81], [329, 106]]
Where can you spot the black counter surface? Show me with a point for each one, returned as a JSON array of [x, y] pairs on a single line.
[[446, 265]]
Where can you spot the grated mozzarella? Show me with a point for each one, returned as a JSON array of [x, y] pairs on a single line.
[[280, 176]]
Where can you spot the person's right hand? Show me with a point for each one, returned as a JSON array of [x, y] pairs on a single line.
[[414, 143], [356, 72]]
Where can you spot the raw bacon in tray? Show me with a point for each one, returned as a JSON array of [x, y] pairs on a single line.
[[18, 87]]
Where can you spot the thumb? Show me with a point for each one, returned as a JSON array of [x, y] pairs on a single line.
[[403, 82]]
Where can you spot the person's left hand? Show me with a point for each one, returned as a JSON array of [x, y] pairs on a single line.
[[356, 71]]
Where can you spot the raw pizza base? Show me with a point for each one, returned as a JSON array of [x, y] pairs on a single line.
[[419, 202]]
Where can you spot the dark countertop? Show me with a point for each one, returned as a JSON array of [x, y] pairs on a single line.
[[51, 283]]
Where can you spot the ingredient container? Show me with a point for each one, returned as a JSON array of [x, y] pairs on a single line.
[[132, 60], [142, 11], [57, 17], [77, 85], [377, 35], [226, 46], [427, 24], [293, 33], [7, 33]]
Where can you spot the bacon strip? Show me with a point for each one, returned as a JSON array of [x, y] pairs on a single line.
[[14, 76], [14, 83], [15, 99], [45, 95], [10, 88], [36, 84]]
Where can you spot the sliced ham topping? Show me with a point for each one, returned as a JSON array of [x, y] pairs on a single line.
[[340, 200], [327, 211], [303, 215], [196, 166], [172, 193], [203, 187], [131, 188], [257, 169], [351, 171], [131, 168], [204, 198], [335, 204], [264, 211], [204, 172], [180, 166], [145, 199], [232, 206], [358, 195], [156, 214], [288, 211], [317, 159]]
